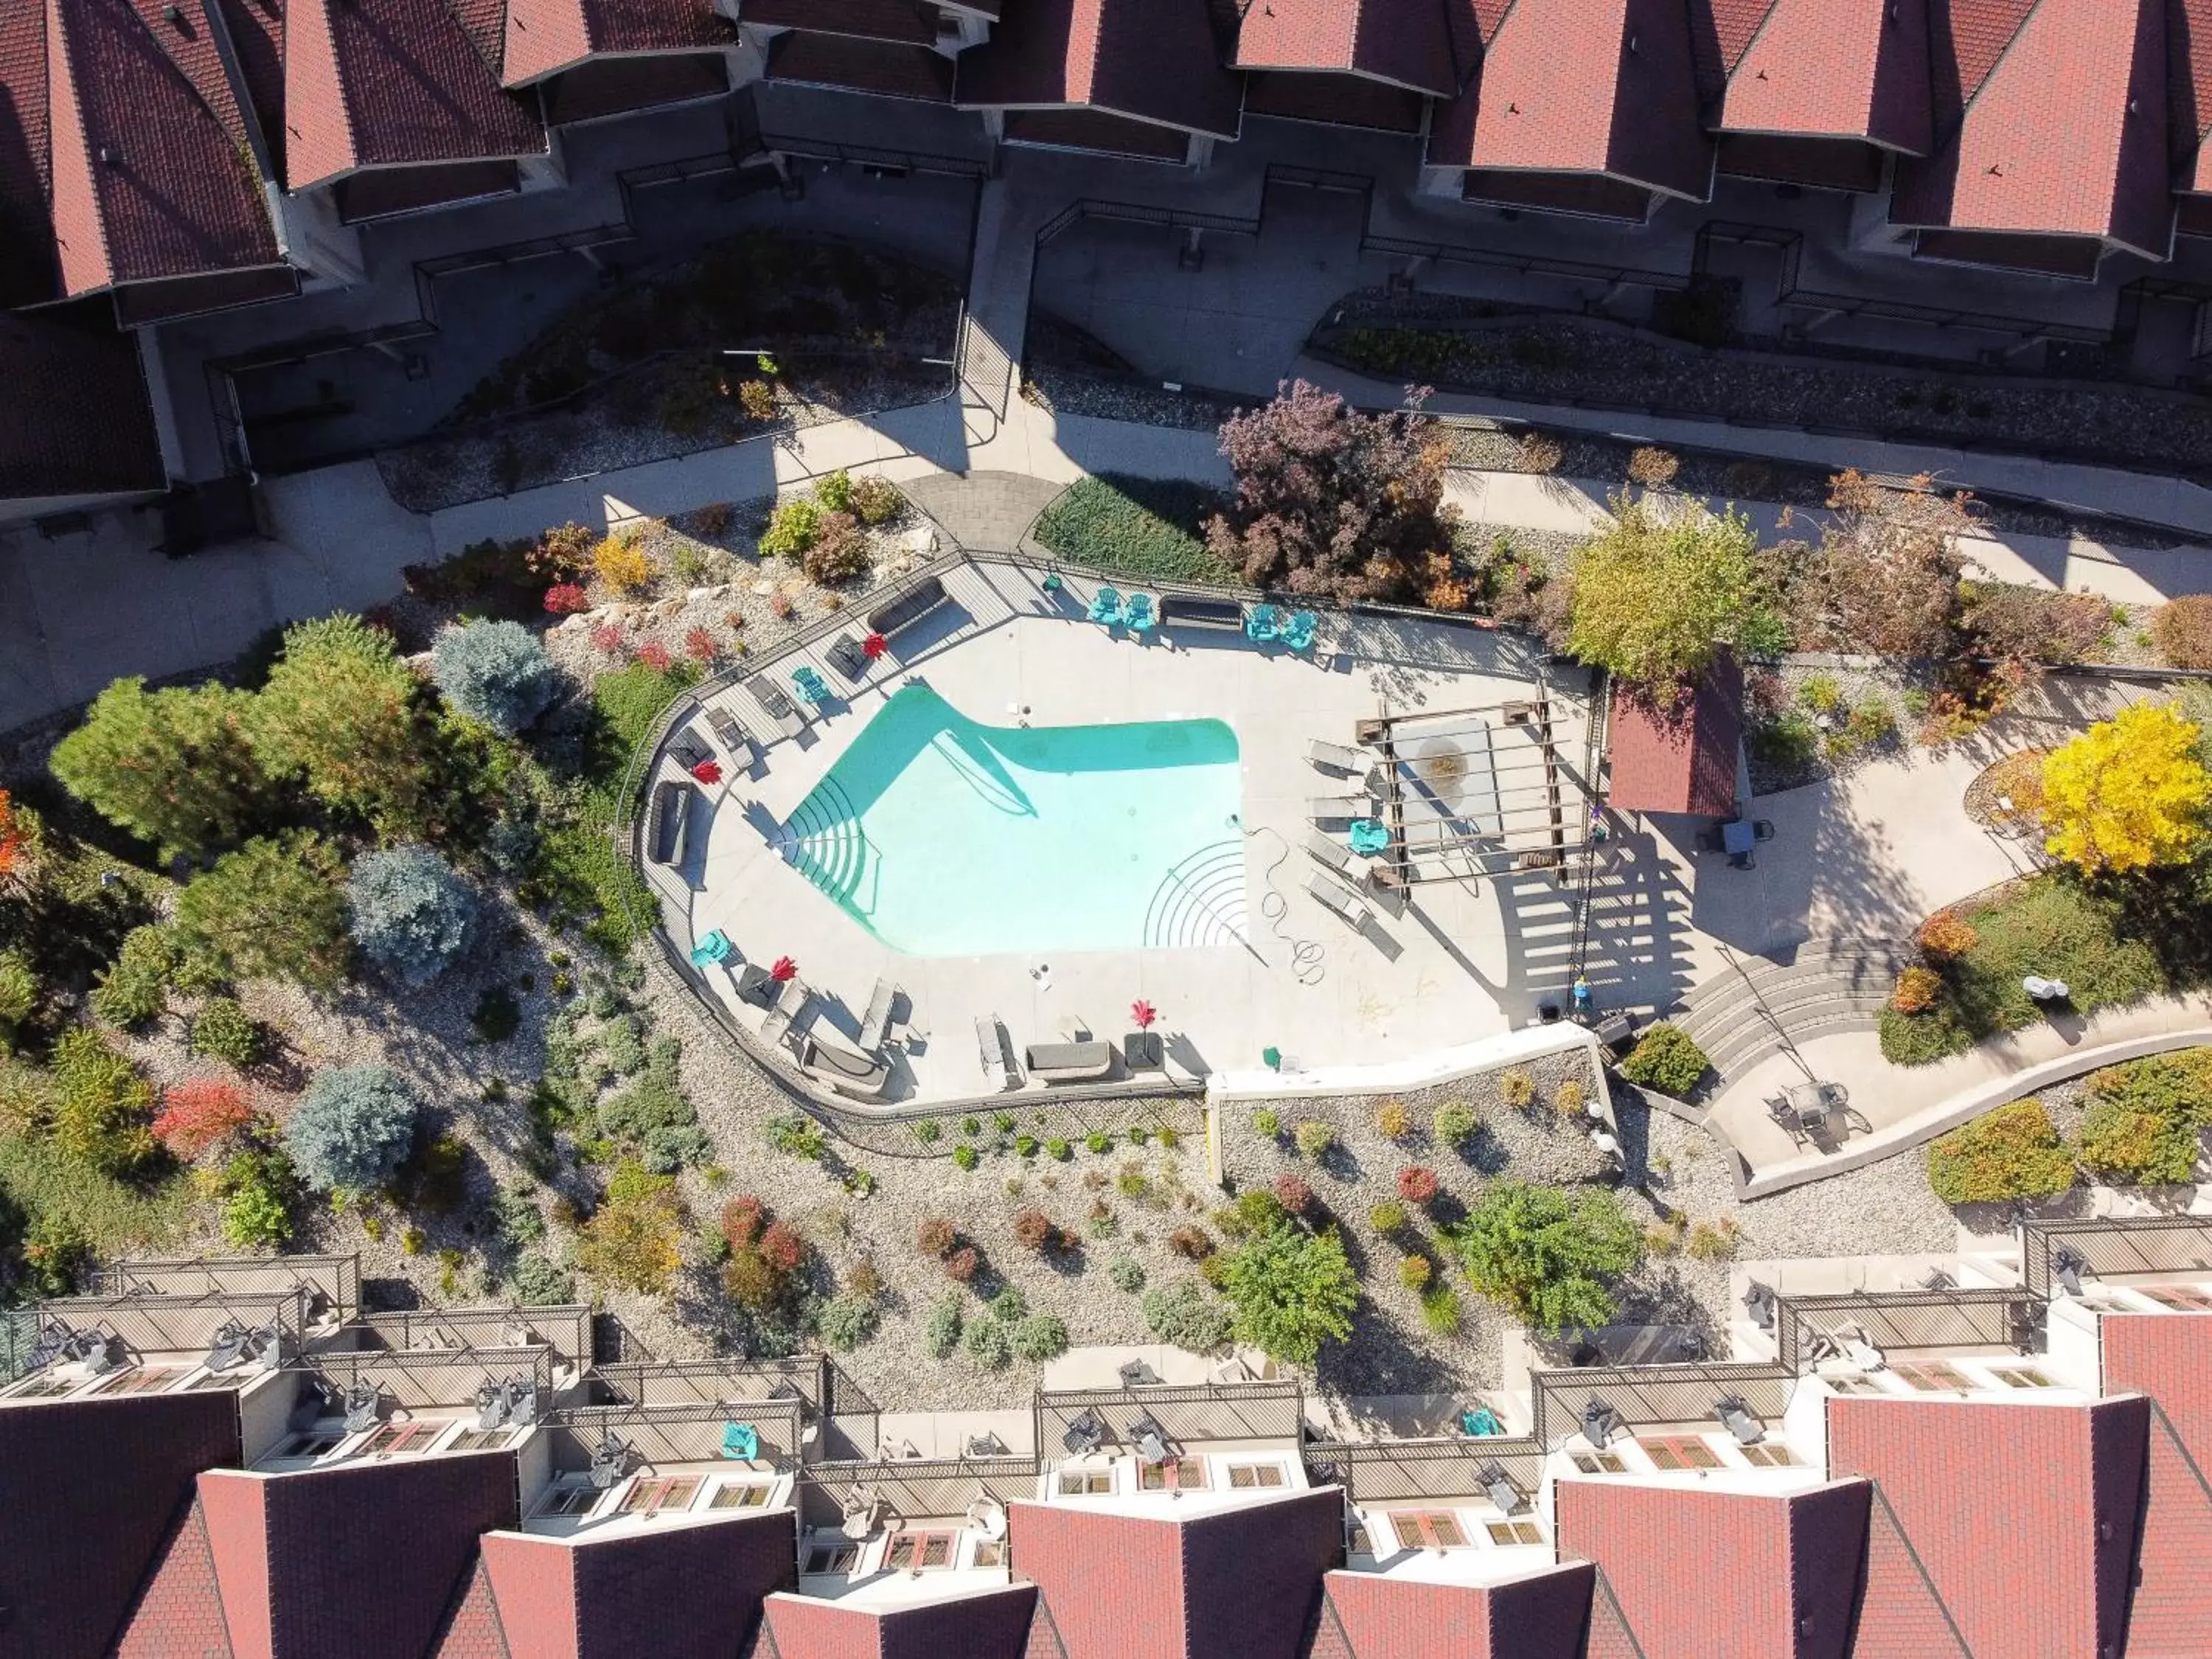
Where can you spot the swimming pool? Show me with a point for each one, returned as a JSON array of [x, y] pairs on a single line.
[[945, 837]]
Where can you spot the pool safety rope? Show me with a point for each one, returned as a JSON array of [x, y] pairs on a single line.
[[1308, 964]]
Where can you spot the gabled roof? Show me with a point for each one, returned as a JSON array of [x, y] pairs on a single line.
[[29, 273], [1790, 1562], [90, 1489], [545, 35], [685, 1586], [1389, 1616], [2188, 91], [472, 1629], [1408, 42], [1243, 1580], [1854, 69], [1680, 758], [362, 1559], [2061, 122], [376, 82], [1152, 59], [1585, 86], [2022, 1515], [179, 1607], [990, 1624], [2169, 1358], [152, 177]]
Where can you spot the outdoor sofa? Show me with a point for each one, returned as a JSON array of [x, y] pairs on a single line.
[[668, 826], [861, 1076], [1069, 1062], [910, 608]]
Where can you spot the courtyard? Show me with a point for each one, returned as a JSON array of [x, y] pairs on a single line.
[[1232, 948]]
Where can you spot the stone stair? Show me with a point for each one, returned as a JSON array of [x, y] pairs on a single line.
[[1764, 1004]]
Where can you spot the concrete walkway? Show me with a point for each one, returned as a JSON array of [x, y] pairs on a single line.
[[1908, 1105]]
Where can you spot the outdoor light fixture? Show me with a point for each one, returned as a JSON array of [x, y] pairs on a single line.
[[1600, 1422]]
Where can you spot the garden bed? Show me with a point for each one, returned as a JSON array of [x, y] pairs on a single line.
[[1147, 530]]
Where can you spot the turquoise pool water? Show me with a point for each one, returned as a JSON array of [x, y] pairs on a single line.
[[945, 837]]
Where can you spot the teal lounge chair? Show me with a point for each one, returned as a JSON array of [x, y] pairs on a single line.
[[1139, 615], [1262, 623], [1105, 607], [811, 686], [1298, 632]]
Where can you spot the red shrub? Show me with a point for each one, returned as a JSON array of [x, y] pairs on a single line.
[[609, 640], [1034, 1230], [699, 645], [1190, 1241], [1293, 1195], [782, 1247], [936, 1237], [654, 655], [1417, 1183], [962, 1263], [566, 598], [195, 1114], [743, 1218]]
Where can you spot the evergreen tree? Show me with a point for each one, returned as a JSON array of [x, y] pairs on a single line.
[[341, 709], [173, 767], [273, 909]]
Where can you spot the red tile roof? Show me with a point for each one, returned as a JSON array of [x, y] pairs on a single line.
[[1586, 86], [1243, 1581], [255, 29], [1682, 759], [1409, 42], [545, 35], [376, 82], [353, 1558], [91, 1490], [1790, 1561], [2062, 128], [151, 175], [611, 86], [992, 1624], [29, 273], [1153, 60], [2022, 1515], [2189, 90], [473, 1630], [1540, 1616], [1848, 68], [2169, 1358], [178, 1613], [1901, 1614]]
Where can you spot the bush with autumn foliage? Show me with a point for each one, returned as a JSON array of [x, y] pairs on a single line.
[[2129, 793], [199, 1112]]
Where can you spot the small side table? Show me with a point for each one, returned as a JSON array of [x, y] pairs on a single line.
[[757, 986], [1144, 1051]]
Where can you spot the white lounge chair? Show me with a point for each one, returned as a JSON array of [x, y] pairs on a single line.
[[1339, 808], [1348, 909], [876, 1024], [1334, 757], [1330, 851]]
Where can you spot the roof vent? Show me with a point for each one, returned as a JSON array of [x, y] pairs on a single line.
[[1632, 43], [110, 156], [174, 16]]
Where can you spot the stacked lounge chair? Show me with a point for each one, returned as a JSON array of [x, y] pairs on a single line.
[[778, 708], [1341, 903]]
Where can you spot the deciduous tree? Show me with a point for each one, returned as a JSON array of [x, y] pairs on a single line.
[[1547, 1254], [2128, 794], [1291, 1290], [1659, 593]]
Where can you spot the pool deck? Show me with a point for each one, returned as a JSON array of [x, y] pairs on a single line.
[[1460, 964]]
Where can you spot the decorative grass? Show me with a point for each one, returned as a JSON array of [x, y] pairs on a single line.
[[1142, 528]]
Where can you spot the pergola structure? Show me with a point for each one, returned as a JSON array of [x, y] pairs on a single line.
[[1472, 792]]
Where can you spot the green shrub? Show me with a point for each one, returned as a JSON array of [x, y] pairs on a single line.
[[341, 710], [2124, 1144], [497, 674], [988, 1343], [965, 1157], [1314, 1138], [1517, 1087], [797, 1134], [222, 1029], [792, 528], [413, 916], [2175, 1085], [635, 1239], [1921, 1039], [1453, 1122], [1057, 1148], [102, 1108], [833, 491], [1009, 1305], [1387, 1217], [1291, 1291], [1413, 1271], [515, 1213], [135, 986], [256, 1207], [497, 1015], [174, 768], [539, 1281], [942, 1333], [876, 500], [1440, 1311], [1547, 1254], [971, 1126], [19, 995], [1667, 1059], [1145, 528], [1099, 1141], [352, 1127], [2010, 1153], [1127, 1275], [1040, 1336], [847, 1321], [1003, 1122], [1266, 1122], [1183, 1315], [674, 1146], [1026, 1145], [928, 1131]]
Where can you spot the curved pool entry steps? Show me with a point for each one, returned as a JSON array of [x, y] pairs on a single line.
[[1200, 902], [946, 838]]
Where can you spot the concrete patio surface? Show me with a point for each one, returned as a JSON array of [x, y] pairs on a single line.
[[1464, 960]]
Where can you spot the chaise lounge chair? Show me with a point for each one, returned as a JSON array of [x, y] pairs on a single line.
[[777, 707], [792, 998], [1339, 808], [860, 1075], [1346, 908], [876, 1024], [1105, 607], [1262, 623], [991, 1047], [734, 737], [1330, 851], [1334, 757], [1069, 1062], [668, 829]]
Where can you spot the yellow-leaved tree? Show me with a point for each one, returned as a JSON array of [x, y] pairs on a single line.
[[2127, 793]]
